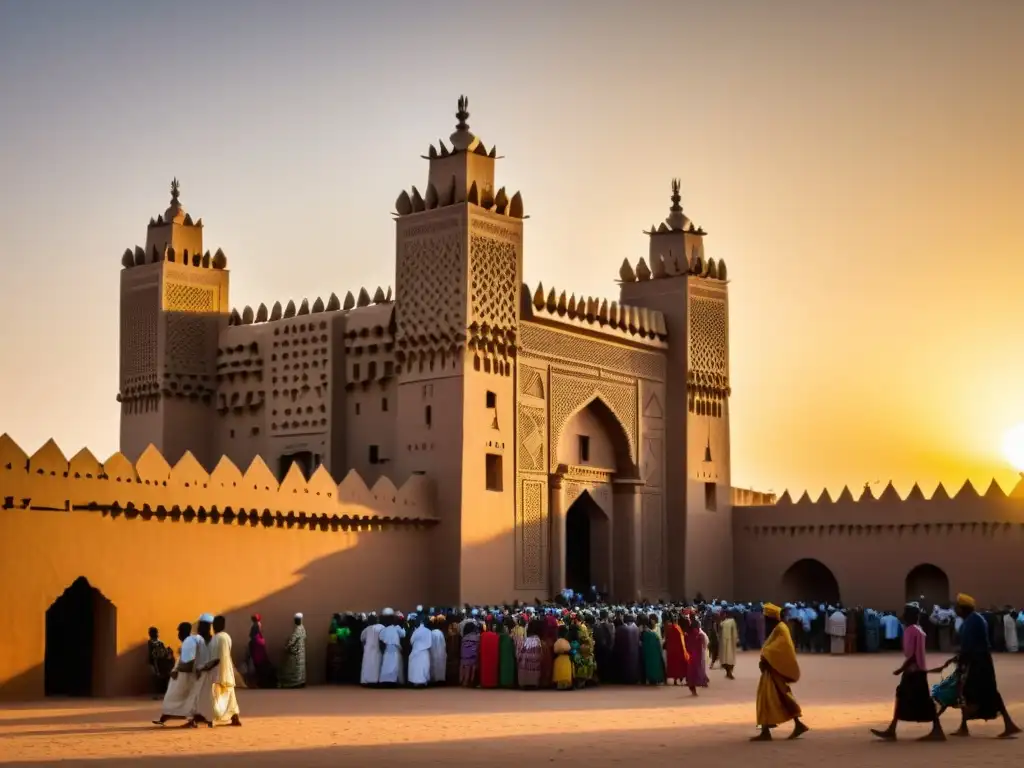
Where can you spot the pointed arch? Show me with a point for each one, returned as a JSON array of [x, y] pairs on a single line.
[[614, 448], [927, 581], [809, 580]]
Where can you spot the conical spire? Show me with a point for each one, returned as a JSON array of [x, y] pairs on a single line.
[[462, 139]]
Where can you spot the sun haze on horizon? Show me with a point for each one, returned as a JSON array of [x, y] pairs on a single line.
[[859, 168]]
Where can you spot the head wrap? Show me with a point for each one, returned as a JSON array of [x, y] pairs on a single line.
[[965, 601], [772, 611], [257, 617], [387, 612], [206, 618], [298, 616]]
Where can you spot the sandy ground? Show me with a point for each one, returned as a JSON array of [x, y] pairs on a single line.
[[842, 698]]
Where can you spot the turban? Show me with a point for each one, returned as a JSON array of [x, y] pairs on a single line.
[[298, 616], [387, 612], [965, 601], [772, 611], [206, 618]]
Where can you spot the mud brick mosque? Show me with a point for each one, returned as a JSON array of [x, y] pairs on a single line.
[[463, 438]]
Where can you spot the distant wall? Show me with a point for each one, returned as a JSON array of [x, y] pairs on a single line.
[[872, 545], [166, 544]]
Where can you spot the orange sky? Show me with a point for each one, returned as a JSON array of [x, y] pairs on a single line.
[[860, 166]]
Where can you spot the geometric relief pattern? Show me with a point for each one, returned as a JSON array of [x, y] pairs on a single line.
[[493, 283], [565, 348], [651, 462], [530, 382], [601, 493], [188, 298], [531, 438], [531, 537], [139, 334], [569, 393], [191, 343], [652, 541], [709, 336], [429, 280]]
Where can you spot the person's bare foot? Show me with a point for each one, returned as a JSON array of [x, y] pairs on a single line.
[[764, 735], [887, 735], [1010, 732], [799, 729], [934, 735]]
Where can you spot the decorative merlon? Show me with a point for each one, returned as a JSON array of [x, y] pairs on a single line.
[[138, 257], [890, 495], [248, 316], [49, 481], [671, 264], [500, 203], [627, 322]]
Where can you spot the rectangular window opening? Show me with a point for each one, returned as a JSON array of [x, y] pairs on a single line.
[[493, 471], [492, 400], [710, 496], [428, 416], [357, 409], [584, 449], [375, 454], [384, 404]]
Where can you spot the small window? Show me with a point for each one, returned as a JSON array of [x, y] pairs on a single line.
[[373, 371], [428, 415], [375, 454], [492, 400], [357, 409], [494, 473], [355, 372], [384, 404], [584, 449], [232, 433], [710, 496]]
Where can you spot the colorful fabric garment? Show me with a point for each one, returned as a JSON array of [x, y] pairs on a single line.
[[488, 659], [653, 661], [728, 643], [293, 669], [506, 661], [676, 658], [530, 662], [775, 701], [584, 666], [562, 669], [696, 668]]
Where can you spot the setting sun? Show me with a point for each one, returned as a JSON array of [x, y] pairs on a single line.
[[1013, 447]]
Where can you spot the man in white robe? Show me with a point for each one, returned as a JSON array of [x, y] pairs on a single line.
[[836, 629], [438, 652], [419, 654], [370, 638], [182, 690], [391, 641], [1010, 631], [217, 701]]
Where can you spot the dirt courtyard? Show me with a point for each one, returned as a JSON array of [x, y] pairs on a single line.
[[842, 698]]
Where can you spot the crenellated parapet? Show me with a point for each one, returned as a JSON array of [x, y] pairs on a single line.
[[672, 265], [152, 489], [139, 257], [867, 514], [250, 316], [628, 323]]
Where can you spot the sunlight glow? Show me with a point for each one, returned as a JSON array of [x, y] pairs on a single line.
[[1013, 447]]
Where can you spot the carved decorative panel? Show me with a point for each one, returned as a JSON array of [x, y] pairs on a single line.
[[531, 537], [531, 438], [531, 382], [189, 298], [651, 462], [429, 285], [652, 541], [494, 283], [190, 344], [496, 230], [601, 493], [564, 347], [139, 320], [709, 336], [570, 393]]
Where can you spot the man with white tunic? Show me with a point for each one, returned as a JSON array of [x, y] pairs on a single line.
[[391, 642], [217, 701], [370, 638], [438, 651], [836, 628], [419, 654], [182, 690]]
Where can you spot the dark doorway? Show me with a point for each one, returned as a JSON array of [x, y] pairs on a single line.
[[303, 458], [930, 582], [80, 641], [586, 545], [810, 581]]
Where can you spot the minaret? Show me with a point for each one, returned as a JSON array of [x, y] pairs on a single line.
[[459, 256], [692, 293], [174, 301]]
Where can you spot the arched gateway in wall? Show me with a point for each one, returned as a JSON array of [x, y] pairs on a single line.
[[81, 641], [927, 581], [593, 456], [809, 581]]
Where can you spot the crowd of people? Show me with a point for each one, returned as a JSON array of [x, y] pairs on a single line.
[[568, 644]]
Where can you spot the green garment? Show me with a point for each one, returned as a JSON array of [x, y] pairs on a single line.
[[654, 662], [506, 661]]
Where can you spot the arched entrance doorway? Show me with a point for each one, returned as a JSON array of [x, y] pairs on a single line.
[[587, 545], [927, 581], [809, 581], [81, 642]]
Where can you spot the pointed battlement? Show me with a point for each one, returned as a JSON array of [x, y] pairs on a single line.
[[249, 316], [152, 488], [630, 323]]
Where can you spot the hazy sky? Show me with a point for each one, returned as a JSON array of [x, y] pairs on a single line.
[[859, 165]]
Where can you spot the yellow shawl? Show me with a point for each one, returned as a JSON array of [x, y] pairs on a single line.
[[780, 654]]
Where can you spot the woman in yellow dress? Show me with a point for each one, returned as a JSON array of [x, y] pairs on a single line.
[[779, 670], [562, 673]]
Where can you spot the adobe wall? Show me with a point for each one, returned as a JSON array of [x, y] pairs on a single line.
[[166, 544], [871, 545]]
